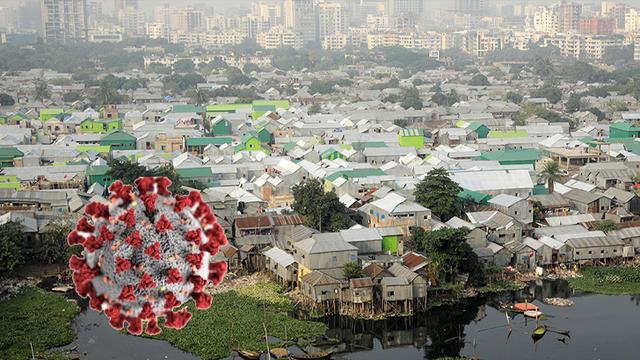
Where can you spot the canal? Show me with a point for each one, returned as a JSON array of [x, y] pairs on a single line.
[[601, 327]]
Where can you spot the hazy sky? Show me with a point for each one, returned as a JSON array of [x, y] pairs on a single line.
[[223, 4]]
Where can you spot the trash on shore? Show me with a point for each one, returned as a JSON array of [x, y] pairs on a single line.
[[558, 302]]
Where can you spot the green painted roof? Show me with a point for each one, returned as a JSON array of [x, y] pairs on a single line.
[[633, 147], [354, 174], [97, 148], [509, 134], [278, 104], [51, 111], [227, 107], [511, 155], [10, 152], [246, 137], [624, 126], [194, 172], [263, 108], [411, 132], [204, 141], [475, 196], [540, 189], [98, 170], [474, 125], [119, 135], [188, 109], [368, 144]]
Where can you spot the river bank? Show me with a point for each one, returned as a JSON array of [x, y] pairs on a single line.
[[609, 280], [35, 319]]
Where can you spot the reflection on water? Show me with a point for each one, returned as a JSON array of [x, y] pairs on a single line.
[[602, 327]]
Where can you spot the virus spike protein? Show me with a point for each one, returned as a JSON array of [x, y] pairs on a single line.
[[146, 254]]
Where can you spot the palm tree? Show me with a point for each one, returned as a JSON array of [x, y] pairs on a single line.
[[42, 90], [551, 173], [106, 94], [199, 96]]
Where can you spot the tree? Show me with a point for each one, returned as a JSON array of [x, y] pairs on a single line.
[[314, 109], [6, 100], [199, 96], [574, 103], [606, 226], [71, 97], [514, 97], [449, 254], [321, 87], [550, 92], [479, 80], [551, 173], [128, 172], [352, 270], [597, 112], [42, 90], [440, 194], [53, 245], [236, 77], [411, 98], [323, 210], [184, 66], [10, 249], [107, 93]]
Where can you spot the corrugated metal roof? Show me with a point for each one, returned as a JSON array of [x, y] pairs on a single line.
[[364, 234], [570, 219], [323, 243], [252, 222], [626, 233], [360, 283], [402, 271], [588, 242], [295, 219], [316, 278], [279, 256], [394, 281]]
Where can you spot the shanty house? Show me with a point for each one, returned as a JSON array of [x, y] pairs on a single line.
[[588, 202], [282, 265], [628, 200], [418, 283], [518, 208], [395, 210], [320, 287], [367, 240], [500, 228], [395, 289], [596, 248], [326, 252], [360, 291]]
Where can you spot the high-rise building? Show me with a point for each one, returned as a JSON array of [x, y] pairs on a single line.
[[268, 14], [545, 20], [331, 20], [403, 13], [123, 4], [300, 17], [632, 20], [473, 7], [64, 20], [132, 21], [94, 13], [569, 17]]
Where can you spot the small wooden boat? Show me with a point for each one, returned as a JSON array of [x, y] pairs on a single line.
[[249, 355], [62, 288], [534, 314], [279, 353], [325, 355], [525, 307]]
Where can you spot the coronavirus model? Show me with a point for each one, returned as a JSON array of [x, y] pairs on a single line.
[[146, 254]]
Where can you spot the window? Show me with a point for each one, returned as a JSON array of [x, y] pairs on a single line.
[[334, 259], [516, 212], [353, 258], [589, 252], [391, 293], [577, 252], [324, 292], [615, 251], [602, 251]]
